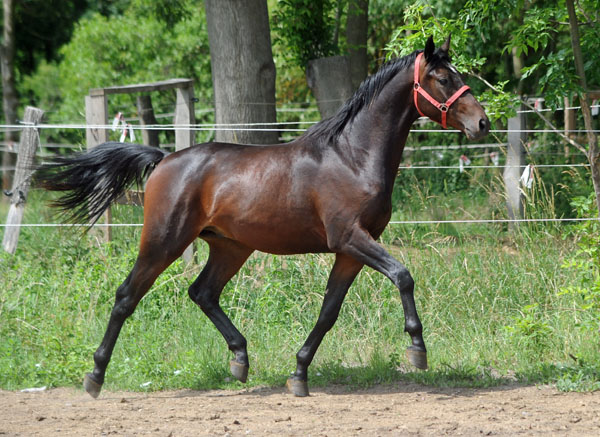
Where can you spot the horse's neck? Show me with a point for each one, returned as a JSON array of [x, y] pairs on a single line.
[[380, 130]]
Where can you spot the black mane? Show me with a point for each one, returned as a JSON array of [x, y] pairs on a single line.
[[330, 129]]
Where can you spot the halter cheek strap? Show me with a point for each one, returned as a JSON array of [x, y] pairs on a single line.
[[443, 107]]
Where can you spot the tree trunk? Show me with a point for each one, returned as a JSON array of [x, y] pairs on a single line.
[[518, 63], [243, 70], [357, 25], [593, 153], [9, 92], [329, 80]]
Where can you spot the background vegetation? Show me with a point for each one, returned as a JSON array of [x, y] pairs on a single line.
[[498, 306]]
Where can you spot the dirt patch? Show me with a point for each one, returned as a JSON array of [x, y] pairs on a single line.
[[399, 409]]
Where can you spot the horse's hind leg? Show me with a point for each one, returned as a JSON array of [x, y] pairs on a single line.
[[342, 275], [225, 259], [151, 262]]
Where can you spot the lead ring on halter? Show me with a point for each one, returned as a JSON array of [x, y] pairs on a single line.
[[443, 107]]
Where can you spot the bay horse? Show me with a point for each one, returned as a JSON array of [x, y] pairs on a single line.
[[327, 191]]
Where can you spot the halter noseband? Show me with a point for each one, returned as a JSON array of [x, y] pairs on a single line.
[[443, 107]]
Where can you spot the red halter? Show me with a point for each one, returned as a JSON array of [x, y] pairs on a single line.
[[443, 107]]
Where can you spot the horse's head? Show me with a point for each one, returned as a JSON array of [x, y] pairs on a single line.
[[441, 94]]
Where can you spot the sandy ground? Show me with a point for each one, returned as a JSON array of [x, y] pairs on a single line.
[[401, 409]]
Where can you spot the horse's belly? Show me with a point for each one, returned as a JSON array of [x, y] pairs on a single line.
[[278, 236]]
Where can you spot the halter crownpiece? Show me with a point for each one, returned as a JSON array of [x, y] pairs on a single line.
[[443, 107]]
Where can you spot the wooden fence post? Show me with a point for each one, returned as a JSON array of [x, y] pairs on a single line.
[[146, 114], [569, 117], [515, 162], [95, 115], [184, 138], [28, 144], [184, 115]]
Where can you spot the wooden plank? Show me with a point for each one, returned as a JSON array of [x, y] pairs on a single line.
[[569, 117], [143, 87], [29, 142]]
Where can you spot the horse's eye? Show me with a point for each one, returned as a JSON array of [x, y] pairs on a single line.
[[444, 81]]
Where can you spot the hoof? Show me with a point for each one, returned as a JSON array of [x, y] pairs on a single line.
[[91, 386], [417, 358], [297, 387], [239, 371]]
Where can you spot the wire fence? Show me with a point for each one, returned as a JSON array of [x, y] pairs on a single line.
[[392, 222], [287, 127], [270, 127]]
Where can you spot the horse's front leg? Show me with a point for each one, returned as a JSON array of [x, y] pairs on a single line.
[[342, 275], [360, 245]]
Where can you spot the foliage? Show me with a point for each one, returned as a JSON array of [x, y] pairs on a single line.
[[384, 17], [586, 262], [169, 12], [529, 329], [500, 104], [305, 29], [555, 81], [138, 46], [536, 30], [413, 34], [535, 35], [41, 27]]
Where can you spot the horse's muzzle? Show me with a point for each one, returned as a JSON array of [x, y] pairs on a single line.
[[478, 128]]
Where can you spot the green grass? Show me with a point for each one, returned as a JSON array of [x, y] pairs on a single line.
[[490, 301]]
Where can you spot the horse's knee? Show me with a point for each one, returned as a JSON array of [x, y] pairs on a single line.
[[125, 301], [404, 280], [123, 309]]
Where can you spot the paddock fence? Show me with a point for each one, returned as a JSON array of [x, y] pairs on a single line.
[[517, 171]]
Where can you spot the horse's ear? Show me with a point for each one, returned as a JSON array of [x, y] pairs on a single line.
[[446, 46], [429, 48]]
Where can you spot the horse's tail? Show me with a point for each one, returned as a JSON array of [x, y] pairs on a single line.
[[94, 179]]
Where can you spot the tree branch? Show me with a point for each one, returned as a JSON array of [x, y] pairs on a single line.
[[548, 123]]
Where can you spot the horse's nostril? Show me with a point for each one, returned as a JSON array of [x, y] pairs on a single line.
[[483, 124]]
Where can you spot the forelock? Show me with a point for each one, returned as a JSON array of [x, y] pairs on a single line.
[[441, 59]]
